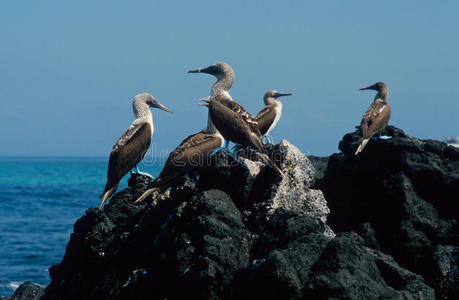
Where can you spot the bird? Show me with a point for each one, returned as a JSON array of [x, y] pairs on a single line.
[[377, 115], [268, 117], [234, 122], [193, 151], [131, 147]]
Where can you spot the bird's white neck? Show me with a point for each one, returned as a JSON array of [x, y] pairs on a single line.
[[210, 126], [272, 101], [142, 111], [223, 84]]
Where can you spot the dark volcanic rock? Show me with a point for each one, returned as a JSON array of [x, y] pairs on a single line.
[[28, 291], [349, 270], [407, 190], [236, 229], [203, 246]]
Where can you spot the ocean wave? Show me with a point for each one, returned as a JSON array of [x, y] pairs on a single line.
[[7, 288]]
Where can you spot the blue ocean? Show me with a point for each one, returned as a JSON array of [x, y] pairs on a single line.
[[40, 200]]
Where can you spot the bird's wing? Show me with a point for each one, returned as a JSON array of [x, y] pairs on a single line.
[[128, 150], [193, 149], [375, 118], [239, 110], [235, 123], [265, 118], [192, 152]]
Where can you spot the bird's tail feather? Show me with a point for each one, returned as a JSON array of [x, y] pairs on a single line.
[[361, 146], [158, 183], [107, 195], [265, 158], [146, 194], [257, 142]]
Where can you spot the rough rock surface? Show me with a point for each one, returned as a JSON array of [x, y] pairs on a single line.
[[239, 230], [28, 291], [404, 193]]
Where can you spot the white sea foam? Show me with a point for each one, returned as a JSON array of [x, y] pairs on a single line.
[[453, 141], [13, 285]]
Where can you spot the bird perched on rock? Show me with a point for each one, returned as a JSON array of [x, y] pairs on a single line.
[[230, 118], [377, 115], [192, 152], [131, 147], [268, 117]]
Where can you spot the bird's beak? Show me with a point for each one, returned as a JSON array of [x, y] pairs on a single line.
[[282, 94], [206, 102], [207, 70], [160, 106], [371, 87]]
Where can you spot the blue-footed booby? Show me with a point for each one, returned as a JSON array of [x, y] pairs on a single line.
[[268, 117], [192, 152], [377, 115], [131, 147], [231, 119]]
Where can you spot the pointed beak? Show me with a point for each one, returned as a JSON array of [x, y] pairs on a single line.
[[371, 87], [282, 94], [208, 70], [205, 102], [160, 106]]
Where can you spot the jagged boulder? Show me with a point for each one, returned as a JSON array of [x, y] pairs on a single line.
[[349, 270], [235, 229], [406, 190], [28, 291], [295, 184], [202, 247]]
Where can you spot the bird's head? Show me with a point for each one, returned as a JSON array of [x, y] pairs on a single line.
[[219, 70], [381, 88], [150, 101], [273, 95], [378, 86]]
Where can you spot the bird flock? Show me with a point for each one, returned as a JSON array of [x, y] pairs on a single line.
[[227, 121]]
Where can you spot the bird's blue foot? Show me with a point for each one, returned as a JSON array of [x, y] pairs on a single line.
[[216, 150], [267, 139], [385, 137], [226, 145], [136, 170], [381, 137], [236, 148]]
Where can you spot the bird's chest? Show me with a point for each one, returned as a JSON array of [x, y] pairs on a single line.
[[277, 116], [278, 110]]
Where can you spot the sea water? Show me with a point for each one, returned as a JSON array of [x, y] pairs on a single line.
[[40, 200]]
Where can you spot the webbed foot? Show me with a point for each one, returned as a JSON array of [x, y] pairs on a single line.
[[385, 137], [267, 139], [216, 150], [136, 170]]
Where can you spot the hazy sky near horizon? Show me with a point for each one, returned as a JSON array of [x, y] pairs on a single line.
[[70, 69]]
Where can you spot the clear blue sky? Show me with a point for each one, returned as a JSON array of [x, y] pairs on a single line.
[[69, 69]]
